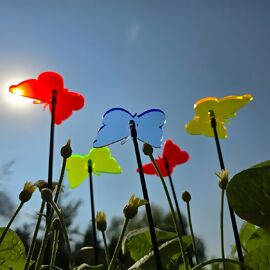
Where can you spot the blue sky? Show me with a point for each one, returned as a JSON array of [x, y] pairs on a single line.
[[137, 55]]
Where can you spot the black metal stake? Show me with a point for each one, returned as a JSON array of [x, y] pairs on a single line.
[[145, 196], [182, 226], [222, 166], [90, 170], [50, 169]]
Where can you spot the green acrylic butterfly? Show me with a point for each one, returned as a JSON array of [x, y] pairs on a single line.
[[102, 162]]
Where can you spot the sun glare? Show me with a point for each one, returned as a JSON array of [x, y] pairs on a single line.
[[14, 98]]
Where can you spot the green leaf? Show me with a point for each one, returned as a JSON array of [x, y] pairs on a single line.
[[138, 242], [168, 250], [12, 251], [247, 229], [259, 238], [249, 194], [262, 164], [258, 259]]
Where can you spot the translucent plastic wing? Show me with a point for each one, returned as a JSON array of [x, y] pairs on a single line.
[[77, 170], [102, 162], [172, 154], [115, 127], [149, 127], [40, 90], [224, 108]]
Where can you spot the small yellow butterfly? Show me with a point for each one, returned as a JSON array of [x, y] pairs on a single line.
[[224, 108], [102, 162]]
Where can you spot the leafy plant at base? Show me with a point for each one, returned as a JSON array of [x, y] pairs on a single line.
[[12, 251]]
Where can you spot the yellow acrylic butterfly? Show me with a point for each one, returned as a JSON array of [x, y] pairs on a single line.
[[102, 162], [223, 108]]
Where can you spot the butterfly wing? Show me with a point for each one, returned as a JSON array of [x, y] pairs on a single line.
[[115, 127], [77, 169], [103, 162], [149, 126], [150, 169], [200, 124], [174, 155], [30, 89], [230, 104], [67, 102]]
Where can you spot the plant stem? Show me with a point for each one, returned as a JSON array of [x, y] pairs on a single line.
[[192, 234], [43, 244], [118, 246], [33, 242], [65, 234], [10, 222], [60, 181], [201, 265], [49, 219], [221, 227], [172, 211], [106, 248], [54, 249]]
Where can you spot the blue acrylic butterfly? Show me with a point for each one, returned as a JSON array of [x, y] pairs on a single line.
[[116, 127]]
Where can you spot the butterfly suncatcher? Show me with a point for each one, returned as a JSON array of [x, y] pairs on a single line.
[[116, 127], [102, 162], [223, 108], [40, 90], [172, 155]]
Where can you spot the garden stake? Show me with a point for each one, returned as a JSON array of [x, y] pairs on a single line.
[[178, 209], [222, 166], [133, 132], [90, 170], [50, 169]]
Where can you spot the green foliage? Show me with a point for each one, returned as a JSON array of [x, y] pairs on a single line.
[[249, 194], [169, 251], [139, 244], [245, 233], [258, 258], [12, 252]]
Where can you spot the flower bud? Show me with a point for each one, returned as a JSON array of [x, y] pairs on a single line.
[[147, 149], [223, 176], [186, 196], [57, 224], [46, 195], [131, 209], [66, 150], [101, 221], [27, 192], [44, 184]]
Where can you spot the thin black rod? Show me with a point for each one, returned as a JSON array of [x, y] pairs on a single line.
[[145, 196], [50, 168], [94, 232], [222, 166], [182, 226]]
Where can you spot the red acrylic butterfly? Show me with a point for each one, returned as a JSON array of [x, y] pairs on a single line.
[[40, 90], [172, 155]]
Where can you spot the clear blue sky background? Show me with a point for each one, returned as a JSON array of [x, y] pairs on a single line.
[[137, 55]]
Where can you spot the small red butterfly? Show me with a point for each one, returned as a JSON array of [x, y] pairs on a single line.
[[40, 90], [172, 156]]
